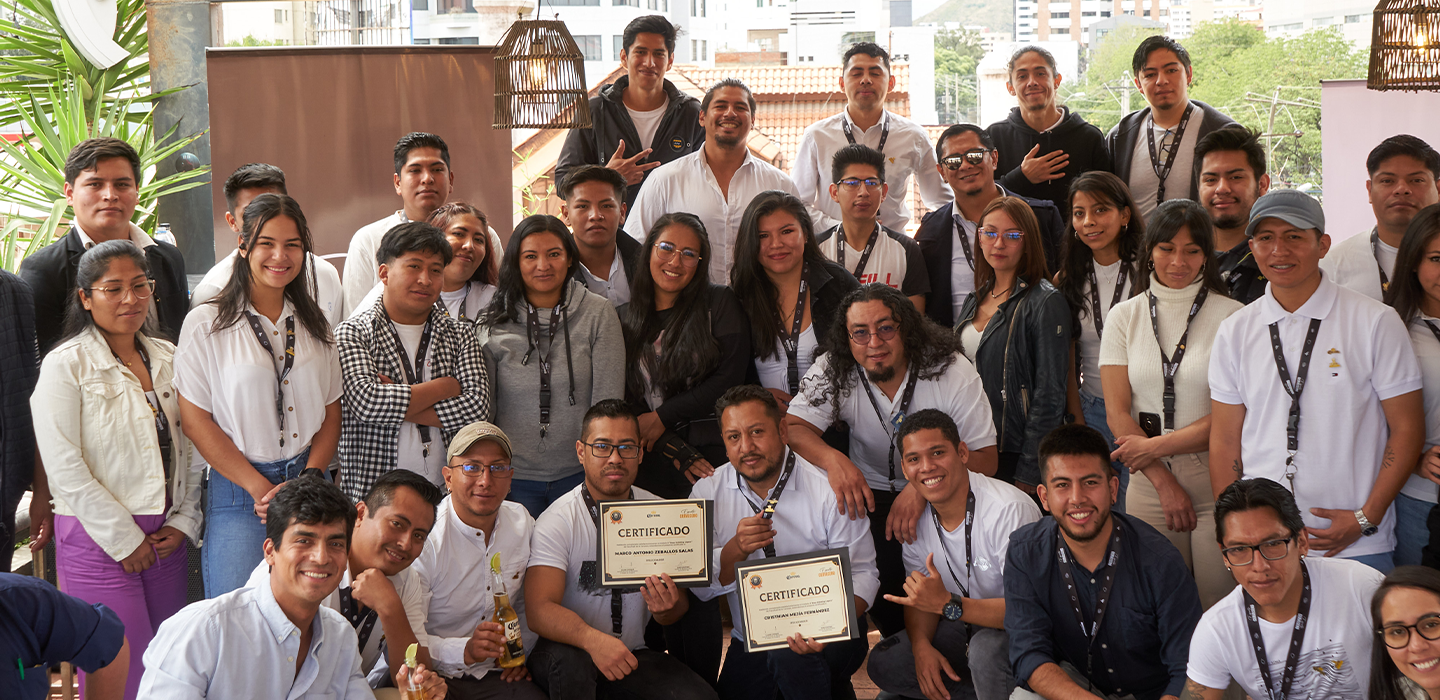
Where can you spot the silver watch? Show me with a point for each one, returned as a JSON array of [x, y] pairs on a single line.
[[1367, 528]]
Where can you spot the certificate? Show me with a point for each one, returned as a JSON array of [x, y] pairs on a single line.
[[806, 593], [638, 539]]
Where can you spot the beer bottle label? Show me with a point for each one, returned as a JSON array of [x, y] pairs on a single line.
[[513, 643]]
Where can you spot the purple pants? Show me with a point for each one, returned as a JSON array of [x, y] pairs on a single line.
[[142, 600]]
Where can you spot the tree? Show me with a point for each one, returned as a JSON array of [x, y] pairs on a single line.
[[957, 53], [1101, 95]]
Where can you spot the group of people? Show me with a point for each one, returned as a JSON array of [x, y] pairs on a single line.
[[370, 464]]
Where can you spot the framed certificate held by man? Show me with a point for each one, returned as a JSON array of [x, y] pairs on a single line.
[[638, 539], [810, 594]]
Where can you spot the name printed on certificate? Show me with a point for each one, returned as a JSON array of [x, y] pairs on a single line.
[[638, 539]]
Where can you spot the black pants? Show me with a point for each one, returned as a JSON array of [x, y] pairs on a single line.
[[888, 616], [567, 673], [1430, 554], [491, 687], [694, 639], [780, 673]]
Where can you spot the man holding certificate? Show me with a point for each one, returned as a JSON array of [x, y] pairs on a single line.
[[592, 638], [768, 503], [955, 596]]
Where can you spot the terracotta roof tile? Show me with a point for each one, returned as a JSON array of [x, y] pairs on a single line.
[[785, 80]]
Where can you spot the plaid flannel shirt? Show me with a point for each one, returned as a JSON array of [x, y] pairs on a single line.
[[372, 412]]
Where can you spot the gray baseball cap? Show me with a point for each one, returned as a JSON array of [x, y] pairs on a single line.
[[479, 430], [1291, 206]]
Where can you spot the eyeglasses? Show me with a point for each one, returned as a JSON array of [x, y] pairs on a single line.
[[1243, 555], [141, 290], [1009, 235], [861, 336], [605, 449], [854, 183], [1398, 636], [974, 156], [667, 250], [496, 471]]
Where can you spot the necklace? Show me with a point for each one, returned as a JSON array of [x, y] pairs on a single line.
[[997, 295]]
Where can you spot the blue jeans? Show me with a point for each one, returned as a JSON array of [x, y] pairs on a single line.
[[986, 652], [1411, 531], [234, 536], [1094, 411], [1384, 562], [781, 672], [536, 496]]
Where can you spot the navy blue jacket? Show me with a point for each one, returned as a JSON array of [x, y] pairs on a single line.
[[40, 626]]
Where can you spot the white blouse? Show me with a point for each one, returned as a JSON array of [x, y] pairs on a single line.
[[774, 370]]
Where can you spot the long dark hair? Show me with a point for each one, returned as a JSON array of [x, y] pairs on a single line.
[[1386, 681], [1405, 293], [690, 351], [510, 290], [1164, 223], [757, 293], [92, 267], [1076, 258], [929, 347], [488, 270], [1032, 267], [235, 296]]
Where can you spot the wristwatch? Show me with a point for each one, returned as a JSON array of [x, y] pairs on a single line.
[[953, 609], [1367, 528]]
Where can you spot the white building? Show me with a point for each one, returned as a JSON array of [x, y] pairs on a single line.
[[990, 76], [1292, 17], [270, 23]]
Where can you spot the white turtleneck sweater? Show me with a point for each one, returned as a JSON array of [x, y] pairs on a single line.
[[1130, 341]]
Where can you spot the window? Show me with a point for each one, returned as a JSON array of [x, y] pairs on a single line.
[[573, 2], [1087, 14], [1060, 30], [697, 8], [589, 46], [421, 5], [694, 49], [422, 42], [1104, 13], [1353, 19], [704, 50], [1292, 27], [1059, 15], [619, 45], [454, 7], [1322, 21], [454, 40], [631, 3]]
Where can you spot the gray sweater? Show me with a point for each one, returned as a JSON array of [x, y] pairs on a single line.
[[597, 352]]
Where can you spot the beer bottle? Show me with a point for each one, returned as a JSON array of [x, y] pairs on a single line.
[[513, 652]]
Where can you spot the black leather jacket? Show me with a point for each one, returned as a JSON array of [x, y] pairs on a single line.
[[1023, 361]]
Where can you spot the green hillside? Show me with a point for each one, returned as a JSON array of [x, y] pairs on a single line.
[[998, 15]]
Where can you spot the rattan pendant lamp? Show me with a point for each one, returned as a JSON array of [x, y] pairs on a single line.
[[1405, 46], [540, 78]]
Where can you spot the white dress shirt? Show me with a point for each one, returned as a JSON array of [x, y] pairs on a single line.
[[687, 184], [328, 293], [617, 287], [361, 270], [454, 570], [907, 151], [1000, 509], [807, 519], [1354, 264], [241, 645]]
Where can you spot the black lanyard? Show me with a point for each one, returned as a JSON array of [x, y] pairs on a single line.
[[162, 424], [1294, 388], [969, 548], [768, 512], [791, 341], [1297, 637], [1116, 298], [441, 303], [1102, 599], [1433, 329], [617, 596], [841, 244], [892, 424], [360, 617], [964, 243], [1375, 252], [282, 373], [558, 316], [1162, 169], [884, 132], [1169, 366], [412, 372]]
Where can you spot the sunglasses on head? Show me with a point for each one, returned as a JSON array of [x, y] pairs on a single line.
[[973, 157]]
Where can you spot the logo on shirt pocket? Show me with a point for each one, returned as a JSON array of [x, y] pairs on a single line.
[[1334, 365], [677, 144]]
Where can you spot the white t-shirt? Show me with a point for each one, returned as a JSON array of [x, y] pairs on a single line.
[[231, 376], [774, 371], [962, 270], [1334, 656], [565, 539], [1362, 356], [1351, 263], [411, 453], [1144, 185], [647, 123], [476, 296], [328, 293], [1106, 276], [1000, 509], [1427, 352], [957, 392], [970, 337], [888, 263]]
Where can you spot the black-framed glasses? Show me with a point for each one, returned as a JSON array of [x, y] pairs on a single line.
[[974, 156], [1009, 235], [854, 183], [605, 449], [1398, 636], [496, 471], [862, 336], [1244, 555], [667, 250], [141, 290]]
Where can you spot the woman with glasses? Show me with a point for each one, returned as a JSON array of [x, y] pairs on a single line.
[[1415, 294], [1155, 364], [1098, 270], [1008, 328], [470, 277], [259, 381], [686, 342], [787, 288], [107, 425], [1406, 614], [555, 349]]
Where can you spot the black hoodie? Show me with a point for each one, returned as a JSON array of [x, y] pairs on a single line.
[[1081, 140]]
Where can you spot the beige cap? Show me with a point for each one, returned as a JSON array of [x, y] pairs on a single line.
[[479, 430]]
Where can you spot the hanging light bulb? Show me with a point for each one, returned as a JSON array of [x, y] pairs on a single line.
[[1423, 28]]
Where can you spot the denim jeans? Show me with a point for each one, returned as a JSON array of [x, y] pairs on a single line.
[[234, 536], [783, 673], [1411, 531], [1384, 562], [565, 672], [536, 496], [892, 663], [1094, 411]]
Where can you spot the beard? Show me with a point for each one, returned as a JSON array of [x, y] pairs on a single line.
[[768, 471], [1231, 221], [729, 142], [884, 374], [1082, 536]]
